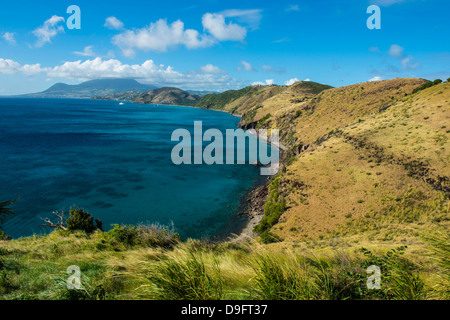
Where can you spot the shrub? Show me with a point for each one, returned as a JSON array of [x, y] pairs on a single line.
[[4, 211], [268, 237], [81, 220], [153, 235], [272, 213], [4, 236]]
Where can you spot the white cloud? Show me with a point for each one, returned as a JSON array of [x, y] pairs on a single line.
[[147, 72], [31, 69], [215, 24], [9, 66], [396, 51], [160, 36], [246, 66], [376, 78], [267, 82], [9, 37], [273, 69], [113, 23], [211, 69], [48, 30], [307, 79], [87, 52], [291, 81]]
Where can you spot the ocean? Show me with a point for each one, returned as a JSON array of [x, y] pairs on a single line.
[[115, 162]]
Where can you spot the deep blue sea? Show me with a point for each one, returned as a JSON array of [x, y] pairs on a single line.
[[114, 161]]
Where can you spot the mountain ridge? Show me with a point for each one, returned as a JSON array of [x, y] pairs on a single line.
[[91, 88]]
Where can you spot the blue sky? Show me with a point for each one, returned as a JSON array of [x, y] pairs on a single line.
[[218, 45]]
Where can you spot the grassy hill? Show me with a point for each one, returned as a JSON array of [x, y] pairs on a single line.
[[365, 175], [169, 96]]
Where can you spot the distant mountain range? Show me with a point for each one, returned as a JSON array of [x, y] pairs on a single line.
[[88, 89]]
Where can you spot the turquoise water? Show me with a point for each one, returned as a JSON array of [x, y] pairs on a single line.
[[114, 161]]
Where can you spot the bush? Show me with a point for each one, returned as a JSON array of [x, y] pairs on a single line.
[[273, 208], [4, 236], [81, 220], [268, 237], [4, 211], [153, 235]]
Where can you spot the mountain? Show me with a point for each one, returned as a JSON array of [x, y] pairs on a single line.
[[169, 96], [252, 97], [88, 89]]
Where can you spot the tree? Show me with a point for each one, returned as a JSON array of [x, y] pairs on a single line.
[[78, 220], [60, 224], [4, 211]]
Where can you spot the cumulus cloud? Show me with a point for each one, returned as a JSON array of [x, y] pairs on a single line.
[[291, 81], [160, 36], [9, 37], [211, 69], [147, 72], [8, 66], [87, 52], [215, 24], [48, 30], [246, 66], [113, 23], [267, 82]]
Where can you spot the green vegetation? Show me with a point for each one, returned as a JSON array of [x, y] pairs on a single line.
[[35, 268], [82, 220], [428, 84], [219, 100], [367, 175], [4, 212], [273, 209]]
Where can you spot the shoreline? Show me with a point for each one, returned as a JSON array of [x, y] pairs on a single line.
[[254, 212], [251, 201]]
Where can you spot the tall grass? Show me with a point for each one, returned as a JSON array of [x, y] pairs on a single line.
[[186, 279]]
